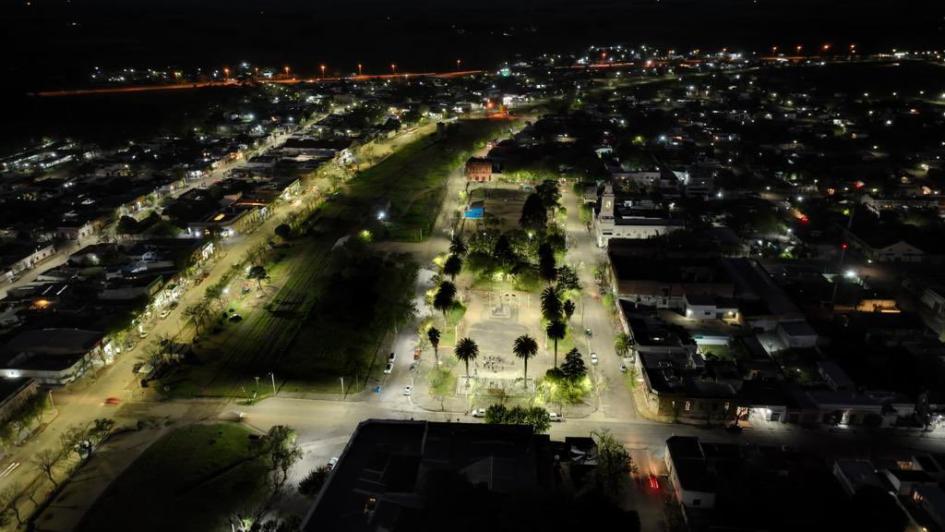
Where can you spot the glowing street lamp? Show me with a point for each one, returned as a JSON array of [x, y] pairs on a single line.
[[798, 48], [226, 72], [286, 69], [360, 66], [322, 68], [393, 68], [458, 62]]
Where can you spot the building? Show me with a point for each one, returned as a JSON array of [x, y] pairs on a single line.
[[52, 356], [632, 220], [688, 472], [13, 393], [406, 475], [478, 170]]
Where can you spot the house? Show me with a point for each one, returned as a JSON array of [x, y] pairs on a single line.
[[853, 474], [797, 334], [478, 170], [709, 307], [688, 472], [904, 481], [667, 282], [52, 356]]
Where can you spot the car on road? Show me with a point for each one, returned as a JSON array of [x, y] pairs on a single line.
[[594, 358], [236, 318], [555, 417], [408, 389], [142, 334], [391, 357], [413, 365], [165, 313], [587, 332], [332, 462], [389, 368], [623, 368], [112, 401], [478, 412]]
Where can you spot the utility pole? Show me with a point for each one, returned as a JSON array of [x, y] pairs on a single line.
[[272, 377], [342, 379]]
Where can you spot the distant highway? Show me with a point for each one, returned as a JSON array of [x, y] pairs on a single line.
[[130, 89]]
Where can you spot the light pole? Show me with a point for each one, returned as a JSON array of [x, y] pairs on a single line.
[[393, 68], [360, 66], [322, 68], [342, 379], [272, 377], [458, 62]]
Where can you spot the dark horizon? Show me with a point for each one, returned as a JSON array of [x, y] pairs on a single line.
[[55, 46]]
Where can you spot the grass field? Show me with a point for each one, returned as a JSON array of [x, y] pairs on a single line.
[[327, 311], [191, 479]]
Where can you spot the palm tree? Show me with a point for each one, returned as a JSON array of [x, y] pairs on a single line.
[[525, 347], [556, 330], [258, 273], [466, 350], [550, 304], [433, 334], [443, 300], [457, 245], [453, 266], [569, 309]]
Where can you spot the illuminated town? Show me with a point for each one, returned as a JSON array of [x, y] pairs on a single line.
[[654, 284]]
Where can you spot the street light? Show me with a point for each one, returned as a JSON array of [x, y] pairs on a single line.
[[272, 377], [323, 71], [393, 68], [226, 72], [359, 69], [458, 62], [286, 69]]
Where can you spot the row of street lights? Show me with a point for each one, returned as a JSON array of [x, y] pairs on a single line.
[[286, 69]]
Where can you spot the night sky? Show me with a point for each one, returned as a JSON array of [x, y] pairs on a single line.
[[53, 43]]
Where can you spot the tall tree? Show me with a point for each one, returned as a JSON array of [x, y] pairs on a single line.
[[47, 460], [433, 334], [525, 347], [444, 297], [568, 278], [453, 266], [569, 309], [622, 344], [550, 304], [573, 367], [9, 504], [548, 192], [258, 273], [466, 350], [556, 330], [613, 464], [534, 214]]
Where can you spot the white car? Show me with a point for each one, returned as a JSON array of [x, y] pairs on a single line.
[[479, 412], [407, 390], [391, 357], [594, 358], [332, 462], [389, 368], [555, 418]]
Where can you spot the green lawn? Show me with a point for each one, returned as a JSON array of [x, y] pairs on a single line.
[[347, 299], [191, 479]]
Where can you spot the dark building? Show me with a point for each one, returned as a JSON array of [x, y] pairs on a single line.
[[422, 476]]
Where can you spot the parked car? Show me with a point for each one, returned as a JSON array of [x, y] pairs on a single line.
[[389, 368], [165, 313], [332, 462], [555, 417], [408, 389], [478, 412], [594, 358], [236, 318], [587, 332], [112, 401], [391, 357], [623, 368]]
